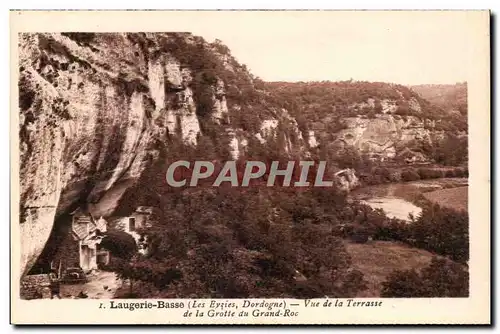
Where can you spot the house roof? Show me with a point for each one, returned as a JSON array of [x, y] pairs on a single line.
[[84, 224], [92, 239], [81, 227]]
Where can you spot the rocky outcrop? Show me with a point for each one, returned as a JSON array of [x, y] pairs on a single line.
[[374, 117], [283, 127], [312, 141], [379, 136], [220, 111], [173, 98], [347, 179], [83, 126]]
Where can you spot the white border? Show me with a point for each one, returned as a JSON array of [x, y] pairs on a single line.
[[422, 4]]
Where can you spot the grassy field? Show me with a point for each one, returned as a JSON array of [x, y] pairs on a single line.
[[454, 198], [377, 259]]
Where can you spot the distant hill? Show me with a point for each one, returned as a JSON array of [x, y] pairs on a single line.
[[449, 97], [350, 98]]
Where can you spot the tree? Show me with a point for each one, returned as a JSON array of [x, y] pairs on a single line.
[[441, 278], [244, 243], [442, 230], [123, 249], [349, 157], [451, 151], [119, 244]]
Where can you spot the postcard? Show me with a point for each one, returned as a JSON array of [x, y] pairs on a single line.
[[250, 167]]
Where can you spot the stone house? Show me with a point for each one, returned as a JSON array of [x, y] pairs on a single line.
[[135, 224], [81, 244]]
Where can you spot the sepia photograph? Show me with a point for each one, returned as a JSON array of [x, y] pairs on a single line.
[[317, 157]]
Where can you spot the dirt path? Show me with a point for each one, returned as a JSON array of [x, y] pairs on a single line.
[[101, 285]]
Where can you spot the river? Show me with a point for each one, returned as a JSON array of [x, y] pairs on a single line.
[[398, 199]]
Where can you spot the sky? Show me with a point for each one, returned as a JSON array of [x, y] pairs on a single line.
[[400, 47]]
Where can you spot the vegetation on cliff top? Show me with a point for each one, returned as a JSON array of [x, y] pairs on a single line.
[[320, 101]]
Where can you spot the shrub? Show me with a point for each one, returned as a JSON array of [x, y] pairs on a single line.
[[371, 113], [430, 173], [360, 234], [442, 278], [393, 229], [410, 175], [442, 230], [402, 284], [451, 151], [395, 176], [384, 174], [120, 244]]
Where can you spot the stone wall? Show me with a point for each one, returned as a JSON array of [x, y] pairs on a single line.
[[35, 287]]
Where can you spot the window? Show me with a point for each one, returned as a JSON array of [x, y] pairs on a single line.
[[131, 224]]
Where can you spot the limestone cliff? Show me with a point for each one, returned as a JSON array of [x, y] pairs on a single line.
[[380, 136], [378, 119], [93, 108]]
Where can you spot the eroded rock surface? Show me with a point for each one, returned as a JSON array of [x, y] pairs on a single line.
[[91, 107]]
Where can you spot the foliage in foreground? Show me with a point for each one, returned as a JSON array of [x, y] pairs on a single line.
[[442, 278], [230, 242]]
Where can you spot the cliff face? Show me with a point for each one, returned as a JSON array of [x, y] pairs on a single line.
[[91, 109], [380, 135], [378, 119]]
